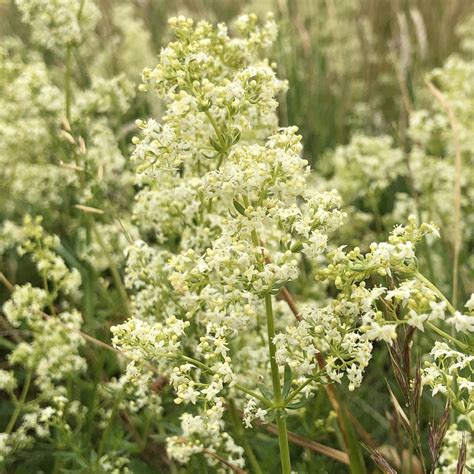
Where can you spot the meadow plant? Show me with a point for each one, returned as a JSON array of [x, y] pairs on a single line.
[[241, 219], [183, 306]]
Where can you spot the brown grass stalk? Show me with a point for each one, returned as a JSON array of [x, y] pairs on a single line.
[[453, 122]]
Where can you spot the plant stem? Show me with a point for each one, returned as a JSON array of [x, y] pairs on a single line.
[[213, 122], [106, 434], [448, 337], [280, 416], [436, 290], [298, 390], [21, 402], [277, 395], [457, 237], [113, 268]]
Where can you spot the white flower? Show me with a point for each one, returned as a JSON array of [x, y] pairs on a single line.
[[437, 310], [7, 381], [462, 322], [470, 303], [416, 320], [385, 332]]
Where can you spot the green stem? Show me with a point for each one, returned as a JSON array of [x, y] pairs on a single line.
[[223, 154], [284, 445], [106, 434], [448, 337], [113, 268], [220, 160], [278, 399], [213, 122], [280, 415], [21, 402], [296, 391], [436, 290], [6, 343]]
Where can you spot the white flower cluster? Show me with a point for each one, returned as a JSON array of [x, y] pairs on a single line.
[[51, 267], [366, 165], [331, 331], [384, 258], [432, 160], [217, 92], [30, 107], [364, 172], [252, 412], [452, 442], [141, 340], [39, 419], [382, 185], [7, 381], [53, 352], [343, 330], [135, 390], [113, 463], [451, 373], [52, 69], [235, 219], [207, 425], [58, 23], [49, 354]]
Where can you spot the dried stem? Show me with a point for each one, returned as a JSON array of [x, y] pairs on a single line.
[[453, 122]]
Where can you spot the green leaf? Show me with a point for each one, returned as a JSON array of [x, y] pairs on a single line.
[[266, 393], [296, 405], [235, 137], [215, 144], [238, 206], [287, 379], [353, 446]]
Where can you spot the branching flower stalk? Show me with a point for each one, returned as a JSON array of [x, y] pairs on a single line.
[[252, 189], [278, 404], [457, 237], [278, 400]]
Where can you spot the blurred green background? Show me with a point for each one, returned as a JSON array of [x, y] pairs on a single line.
[[351, 64]]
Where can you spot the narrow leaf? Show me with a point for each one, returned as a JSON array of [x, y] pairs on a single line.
[[240, 209], [287, 379]]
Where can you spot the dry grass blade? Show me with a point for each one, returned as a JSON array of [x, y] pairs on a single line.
[[312, 445], [400, 412], [436, 436], [420, 31], [462, 457], [416, 390], [286, 296], [380, 461], [89, 209], [453, 122], [231, 466], [398, 370], [7, 283]]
